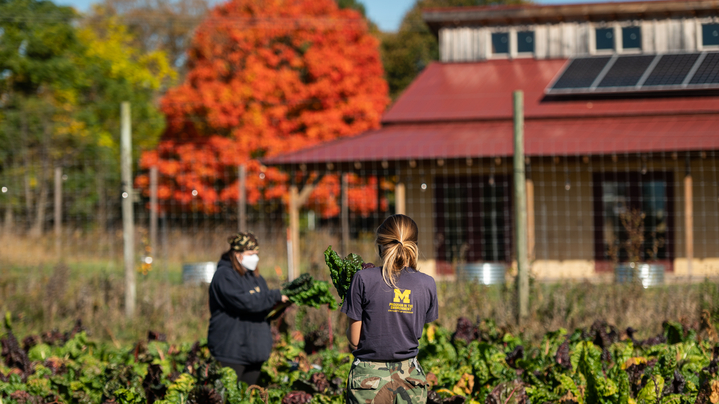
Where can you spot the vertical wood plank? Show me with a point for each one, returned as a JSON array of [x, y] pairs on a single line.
[[58, 209], [242, 198], [689, 222], [399, 197], [530, 220], [582, 34], [540, 42], [689, 35], [153, 210], [647, 31], [128, 220], [443, 42], [520, 212], [294, 232], [345, 215]]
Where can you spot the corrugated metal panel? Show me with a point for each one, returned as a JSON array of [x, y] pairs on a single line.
[[473, 91], [543, 137]]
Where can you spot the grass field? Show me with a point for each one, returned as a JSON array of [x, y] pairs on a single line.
[[43, 297]]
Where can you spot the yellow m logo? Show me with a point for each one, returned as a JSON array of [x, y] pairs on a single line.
[[400, 296]]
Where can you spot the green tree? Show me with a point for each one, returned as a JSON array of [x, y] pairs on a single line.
[[60, 89], [408, 51], [37, 80], [115, 69], [155, 25], [354, 5]]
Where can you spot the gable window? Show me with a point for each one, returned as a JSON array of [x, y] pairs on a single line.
[[631, 38], [604, 39], [710, 34], [500, 43], [525, 42]]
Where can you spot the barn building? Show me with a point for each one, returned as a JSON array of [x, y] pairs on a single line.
[[621, 107]]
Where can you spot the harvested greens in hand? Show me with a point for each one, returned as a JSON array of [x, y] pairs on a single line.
[[342, 270], [309, 292]]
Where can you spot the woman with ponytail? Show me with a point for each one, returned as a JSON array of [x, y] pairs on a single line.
[[239, 335], [388, 307]]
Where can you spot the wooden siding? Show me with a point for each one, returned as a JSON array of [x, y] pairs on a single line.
[[570, 39]]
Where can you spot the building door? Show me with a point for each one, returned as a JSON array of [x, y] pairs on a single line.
[[473, 220], [616, 195]]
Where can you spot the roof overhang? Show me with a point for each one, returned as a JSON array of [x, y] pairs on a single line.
[[382, 149], [437, 18]]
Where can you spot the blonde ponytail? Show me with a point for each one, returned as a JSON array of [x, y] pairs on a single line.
[[397, 236]]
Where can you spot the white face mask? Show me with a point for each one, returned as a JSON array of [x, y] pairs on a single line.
[[250, 261]]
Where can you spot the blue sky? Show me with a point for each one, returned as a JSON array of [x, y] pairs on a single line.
[[387, 14]]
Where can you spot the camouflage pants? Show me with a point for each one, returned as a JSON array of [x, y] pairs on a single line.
[[386, 382]]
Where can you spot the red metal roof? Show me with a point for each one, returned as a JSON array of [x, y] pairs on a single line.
[[544, 137], [459, 110], [483, 90]]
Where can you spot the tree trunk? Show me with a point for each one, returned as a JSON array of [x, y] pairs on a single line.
[[26, 171], [8, 222], [39, 224], [101, 201]]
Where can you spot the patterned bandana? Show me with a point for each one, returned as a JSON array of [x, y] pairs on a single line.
[[243, 241]]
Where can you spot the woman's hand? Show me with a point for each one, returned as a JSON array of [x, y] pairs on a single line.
[[285, 299]]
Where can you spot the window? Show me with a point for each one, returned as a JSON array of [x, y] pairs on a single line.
[[604, 38], [500, 43], [525, 42], [473, 218], [631, 38], [710, 34], [616, 196]]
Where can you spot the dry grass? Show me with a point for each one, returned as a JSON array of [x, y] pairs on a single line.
[[44, 290], [574, 305]]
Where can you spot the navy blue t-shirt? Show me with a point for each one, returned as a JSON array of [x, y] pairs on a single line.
[[392, 319]]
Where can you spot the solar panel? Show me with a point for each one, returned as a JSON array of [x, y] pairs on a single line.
[[623, 74], [671, 70], [626, 71], [581, 72], [708, 71]]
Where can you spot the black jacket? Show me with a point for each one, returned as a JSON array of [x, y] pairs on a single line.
[[239, 332]]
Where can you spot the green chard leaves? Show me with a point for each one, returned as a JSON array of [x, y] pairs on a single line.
[[306, 291], [342, 270]]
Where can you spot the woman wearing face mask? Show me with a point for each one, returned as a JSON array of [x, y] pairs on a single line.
[[239, 335]]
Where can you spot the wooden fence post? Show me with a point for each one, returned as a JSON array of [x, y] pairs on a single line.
[[153, 211], [689, 217], [128, 221], [58, 210], [399, 198], [242, 198], [520, 216], [294, 232], [345, 215]]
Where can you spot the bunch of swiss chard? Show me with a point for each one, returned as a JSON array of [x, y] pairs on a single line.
[[342, 270], [306, 291]]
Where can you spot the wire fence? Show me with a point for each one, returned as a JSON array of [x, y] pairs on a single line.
[[587, 213]]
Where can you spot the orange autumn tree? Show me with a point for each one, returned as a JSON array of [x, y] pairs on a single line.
[[266, 77]]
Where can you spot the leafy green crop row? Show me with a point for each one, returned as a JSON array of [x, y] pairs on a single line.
[[477, 363]]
